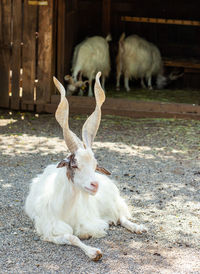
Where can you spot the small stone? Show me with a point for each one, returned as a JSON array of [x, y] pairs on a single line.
[[36, 238]]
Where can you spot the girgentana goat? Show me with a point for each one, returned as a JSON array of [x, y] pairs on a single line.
[[90, 56], [139, 59], [75, 199]]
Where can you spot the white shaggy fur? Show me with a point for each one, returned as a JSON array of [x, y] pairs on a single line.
[[72, 201], [90, 56], [61, 209], [139, 59]]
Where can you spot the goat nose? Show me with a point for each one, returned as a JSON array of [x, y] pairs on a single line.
[[95, 185]]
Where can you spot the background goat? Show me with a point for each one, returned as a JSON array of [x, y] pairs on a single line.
[[72, 199], [90, 56], [138, 58]]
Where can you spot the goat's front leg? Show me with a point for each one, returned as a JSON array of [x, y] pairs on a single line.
[[132, 226], [119, 71], [149, 83], [93, 253], [90, 93], [126, 83]]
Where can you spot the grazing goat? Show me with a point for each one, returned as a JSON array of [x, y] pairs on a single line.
[[90, 56], [72, 200], [138, 58], [73, 87]]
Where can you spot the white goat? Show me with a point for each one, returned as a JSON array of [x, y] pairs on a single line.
[[138, 58], [90, 56], [71, 199]]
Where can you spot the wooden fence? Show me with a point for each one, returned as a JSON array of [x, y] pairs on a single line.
[[26, 53]]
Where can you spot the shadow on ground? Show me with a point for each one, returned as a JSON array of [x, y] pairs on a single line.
[[156, 164]]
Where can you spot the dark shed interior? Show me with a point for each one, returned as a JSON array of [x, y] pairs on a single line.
[[37, 39], [174, 26]]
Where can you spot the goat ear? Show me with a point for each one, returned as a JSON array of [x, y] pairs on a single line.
[[69, 164], [174, 75], [103, 170], [67, 78], [63, 163]]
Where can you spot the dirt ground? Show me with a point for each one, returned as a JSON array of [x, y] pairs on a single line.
[[156, 165]]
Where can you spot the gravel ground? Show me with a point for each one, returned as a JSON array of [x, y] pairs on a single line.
[[155, 161]]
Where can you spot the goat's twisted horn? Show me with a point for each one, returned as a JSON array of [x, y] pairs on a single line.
[[62, 116], [91, 125]]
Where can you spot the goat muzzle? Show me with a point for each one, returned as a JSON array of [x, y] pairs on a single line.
[[94, 186]]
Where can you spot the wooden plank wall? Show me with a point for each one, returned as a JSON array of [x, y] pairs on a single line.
[[29, 55], [45, 62], [16, 53], [26, 53], [5, 48]]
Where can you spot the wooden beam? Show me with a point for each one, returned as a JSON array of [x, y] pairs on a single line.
[[160, 21], [181, 63], [129, 108]]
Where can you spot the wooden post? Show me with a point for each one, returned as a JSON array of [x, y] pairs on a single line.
[[5, 47], [45, 56], [106, 17], [16, 53], [61, 38], [29, 55], [71, 28]]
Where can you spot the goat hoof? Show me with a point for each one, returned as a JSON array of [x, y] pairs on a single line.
[[141, 229], [98, 256]]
